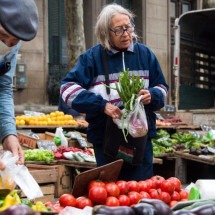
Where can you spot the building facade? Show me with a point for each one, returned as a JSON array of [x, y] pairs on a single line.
[[45, 57]]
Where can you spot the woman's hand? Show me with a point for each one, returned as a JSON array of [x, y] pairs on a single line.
[[145, 96], [113, 111]]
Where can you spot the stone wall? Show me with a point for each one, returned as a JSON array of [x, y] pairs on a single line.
[[35, 55]]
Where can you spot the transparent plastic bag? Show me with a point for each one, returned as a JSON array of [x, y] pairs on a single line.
[[14, 174], [8, 174], [137, 120]]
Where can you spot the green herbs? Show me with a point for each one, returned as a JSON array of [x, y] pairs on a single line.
[[128, 88]]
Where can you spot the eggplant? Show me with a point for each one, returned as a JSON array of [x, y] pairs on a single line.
[[145, 209], [117, 210], [159, 205], [183, 212], [208, 209], [18, 210]]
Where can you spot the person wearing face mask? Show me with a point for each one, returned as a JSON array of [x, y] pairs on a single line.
[[18, 22], [83, 87]]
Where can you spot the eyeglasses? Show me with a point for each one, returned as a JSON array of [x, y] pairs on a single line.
[[120, 31]]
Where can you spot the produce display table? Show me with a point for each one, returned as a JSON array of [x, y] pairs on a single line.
[[181, 164], [77, 164], [41, 129]]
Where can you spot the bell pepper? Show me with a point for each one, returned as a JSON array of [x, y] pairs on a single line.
[[11, 199], [39, 206], [194, 193]]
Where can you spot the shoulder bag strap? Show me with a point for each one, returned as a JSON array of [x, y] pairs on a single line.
[[107, 81]]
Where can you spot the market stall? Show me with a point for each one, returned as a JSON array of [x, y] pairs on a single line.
[[63, 172]]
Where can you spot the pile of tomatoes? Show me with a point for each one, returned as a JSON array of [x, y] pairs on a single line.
[[127, 193]]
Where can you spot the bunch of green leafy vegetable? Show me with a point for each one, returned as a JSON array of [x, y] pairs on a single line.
[[39, 155], [128, 88]]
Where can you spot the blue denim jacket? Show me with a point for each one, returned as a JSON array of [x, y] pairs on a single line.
[[7, 115]]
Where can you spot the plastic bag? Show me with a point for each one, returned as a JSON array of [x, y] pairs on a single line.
[[135, 121], [59, 134], [8, 174], [19, 175]]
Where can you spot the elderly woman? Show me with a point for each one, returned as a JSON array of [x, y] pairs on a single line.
[[83, 87]]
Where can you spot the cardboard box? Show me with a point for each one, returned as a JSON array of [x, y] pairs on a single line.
[[31, 142]]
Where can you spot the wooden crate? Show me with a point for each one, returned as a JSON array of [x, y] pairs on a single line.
[[31, 142], [48, 193], [64, 181], [57, 175]]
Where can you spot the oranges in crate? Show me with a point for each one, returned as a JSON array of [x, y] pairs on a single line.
[[56, 118]]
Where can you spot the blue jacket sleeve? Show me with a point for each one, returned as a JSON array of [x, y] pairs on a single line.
[[75, 87], [7, 116]]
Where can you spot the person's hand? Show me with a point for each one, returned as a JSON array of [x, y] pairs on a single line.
[[113, 111], [2, 166], [145, 96], [11, 143]]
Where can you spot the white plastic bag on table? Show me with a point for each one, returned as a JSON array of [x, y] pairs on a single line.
[[59, 134], [20, 175]]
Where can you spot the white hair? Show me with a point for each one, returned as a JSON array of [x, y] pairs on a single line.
[[104, 21]]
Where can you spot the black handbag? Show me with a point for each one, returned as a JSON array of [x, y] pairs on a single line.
[[115, 146]]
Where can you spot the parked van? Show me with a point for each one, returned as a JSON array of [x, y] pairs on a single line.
[[194, 60]]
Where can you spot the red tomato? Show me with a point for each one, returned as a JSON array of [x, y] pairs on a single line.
[[98, 194], [158, 180], [176, 182], [175, 196], [151, 183], [155, 193], [57, 208], [167, 186], [183, 200], [49, 204], [123, 186], [67, 199], [145, 195], [144, 186], [82, 202], [134, 197], [112, 201], [112, 189], [94, 183], [124, 200], [165, 197], [133, 186], [172, 203], [183, 194]]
